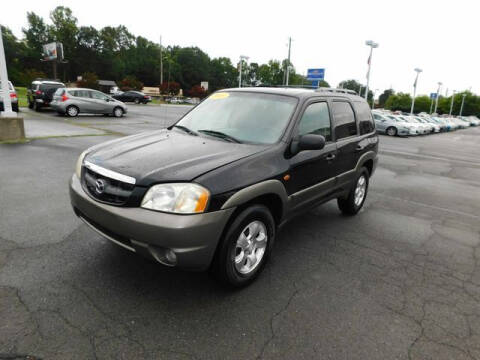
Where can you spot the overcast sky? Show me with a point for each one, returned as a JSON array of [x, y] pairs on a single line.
[[440, 37]]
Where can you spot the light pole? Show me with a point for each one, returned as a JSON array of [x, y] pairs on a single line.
[[288, 61], [372, 45], [451, 103], [7, 102], [373, 100], [242, 57], [418, 71], [436, 100], [463, 101]]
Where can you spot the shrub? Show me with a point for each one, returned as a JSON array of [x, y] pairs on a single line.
[[131, 83], [89, 81]]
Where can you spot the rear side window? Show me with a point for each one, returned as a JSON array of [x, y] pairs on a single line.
[[316, 120], [59, 91], [344, 120], [364, 115], [80, 93]]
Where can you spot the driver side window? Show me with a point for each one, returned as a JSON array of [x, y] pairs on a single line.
[[316, 120]]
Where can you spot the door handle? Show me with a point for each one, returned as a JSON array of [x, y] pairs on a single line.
[[330, 157], [359, 148]]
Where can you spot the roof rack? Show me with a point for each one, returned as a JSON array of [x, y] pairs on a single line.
[[335, 90]]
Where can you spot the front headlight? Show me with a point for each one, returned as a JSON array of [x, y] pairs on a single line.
[[78, 166], [180, 198]]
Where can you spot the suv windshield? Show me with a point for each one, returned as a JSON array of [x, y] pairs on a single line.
[[242, 116]]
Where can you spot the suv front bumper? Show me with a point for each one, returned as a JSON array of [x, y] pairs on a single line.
[[192, 238]]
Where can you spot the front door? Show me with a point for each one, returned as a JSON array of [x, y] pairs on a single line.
[[312, 172]]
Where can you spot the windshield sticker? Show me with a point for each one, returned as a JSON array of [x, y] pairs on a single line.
[[221, 95]]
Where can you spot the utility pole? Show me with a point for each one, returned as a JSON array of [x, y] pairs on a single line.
[[161, 62], [451, 103], [288, 61], [438, 94]]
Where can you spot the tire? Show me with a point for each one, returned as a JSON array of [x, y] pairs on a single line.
[[231, 264], [30, 104], [36, 107], [72, 111], [352, 204], [136, 101], [118, 112], [15, 107], [391, 131]]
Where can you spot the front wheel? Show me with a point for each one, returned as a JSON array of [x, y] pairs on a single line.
[[118, 112], [391, 131], [245, 248], [352, 204], [72, 111]]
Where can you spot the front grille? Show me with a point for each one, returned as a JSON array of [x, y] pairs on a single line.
[[112, 192]]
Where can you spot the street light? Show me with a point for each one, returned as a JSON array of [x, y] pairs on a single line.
[[451, 103], [463, 101], [438, 94], [242, 57], [418, 71], [372, 45]]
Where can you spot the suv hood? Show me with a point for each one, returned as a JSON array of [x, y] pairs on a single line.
[[166, 156]]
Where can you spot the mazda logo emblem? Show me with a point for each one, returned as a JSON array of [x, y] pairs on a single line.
[[100, 186]]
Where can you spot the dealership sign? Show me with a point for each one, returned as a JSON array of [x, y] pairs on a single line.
[[53, 51], [315, 74]]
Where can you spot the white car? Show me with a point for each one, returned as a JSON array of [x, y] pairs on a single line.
[[422, 128], [390, 125]]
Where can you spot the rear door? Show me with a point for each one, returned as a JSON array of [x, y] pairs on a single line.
[[312, 172], [346, 134]]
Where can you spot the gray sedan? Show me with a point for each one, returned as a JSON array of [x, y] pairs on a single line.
[[76, 100]]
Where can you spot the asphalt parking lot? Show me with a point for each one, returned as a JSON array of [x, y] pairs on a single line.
[[401, 280]]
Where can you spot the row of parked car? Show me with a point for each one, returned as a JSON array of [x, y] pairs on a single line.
[[401, 124]]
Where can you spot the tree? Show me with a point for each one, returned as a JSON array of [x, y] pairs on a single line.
[[197, 91], [222, 74], [170, 88], [130, 83], [194, 66], [270, 73], [422, 104], [89, 80], [399, 101], [384, 96]]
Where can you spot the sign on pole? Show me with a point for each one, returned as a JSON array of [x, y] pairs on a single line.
[[315, 74], [204, 85], [52, 52], [433, 96]]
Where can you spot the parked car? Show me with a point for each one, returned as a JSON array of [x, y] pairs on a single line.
[[40, 93], [390, 125], [136, 97], [211, 191], [13, 97], [461, 124], [434, 128], [421, 128], [73, 101], [175, 100]]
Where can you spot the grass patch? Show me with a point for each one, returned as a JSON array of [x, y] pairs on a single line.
[[22, 96], [18, 141]]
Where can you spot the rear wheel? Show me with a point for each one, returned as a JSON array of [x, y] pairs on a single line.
[[392, 131], [72, 111], [356, 198], [36, 107], [136, 101], [245, 248], [118, 112], [30, 104]]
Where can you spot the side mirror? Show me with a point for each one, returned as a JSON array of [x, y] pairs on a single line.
[[307, 142]]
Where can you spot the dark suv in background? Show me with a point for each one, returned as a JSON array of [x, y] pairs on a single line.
[[211, 191], [40, 93]]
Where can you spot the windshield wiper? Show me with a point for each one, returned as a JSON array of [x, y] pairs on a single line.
[[220, 135], [184, 128]]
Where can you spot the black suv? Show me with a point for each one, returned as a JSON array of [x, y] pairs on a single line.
[[211, 191], [40, 93]]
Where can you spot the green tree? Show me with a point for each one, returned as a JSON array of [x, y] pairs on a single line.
[[89, 80], [222, 74], [400, 101], [357, 87], [382, 99], [422, 104]]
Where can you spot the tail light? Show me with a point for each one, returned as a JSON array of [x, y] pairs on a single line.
[[64, 97], [38, 92], [13, 95], [146, 97]]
